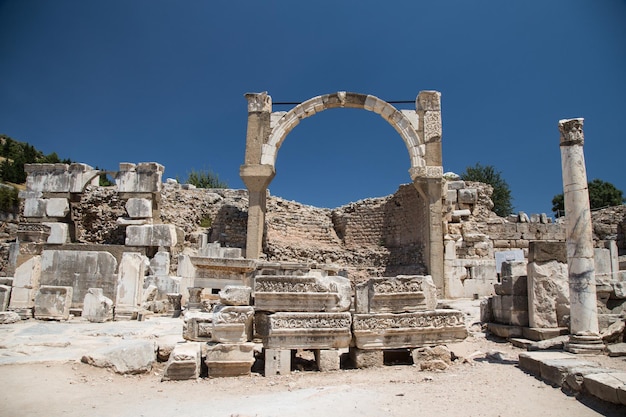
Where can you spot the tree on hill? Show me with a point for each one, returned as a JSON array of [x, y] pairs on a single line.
[[601, 194], [501, 197], [16, 154]]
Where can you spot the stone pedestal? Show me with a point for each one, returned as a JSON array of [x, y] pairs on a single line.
[[175, 301], [195, 299], [277, 362], [579, 239], [229, 359], [184, 362], [53, 302]]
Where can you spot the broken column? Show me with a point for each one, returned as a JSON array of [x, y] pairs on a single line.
[[584, 334]]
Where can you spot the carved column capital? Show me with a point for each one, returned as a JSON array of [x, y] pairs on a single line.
[[572, 132], [259, 102]]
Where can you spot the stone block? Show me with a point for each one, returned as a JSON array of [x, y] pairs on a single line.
[[505, 331], [508, 255], [232, 324], [82, 175], [236, 295], [468, 196], [59, 233], [229, 359], [407, 330], [151, 235], [531, 361], [96, 307], [53, 302], [510, 309], [80, 270], [286, 330], [609, 387], [139, 208], [9, 317], [277, 362], [396, 295], [125, 357], [26, 282], [57, 207], [513, 284], [537, 334], [141, 178], [34, 207], [184, 362], [548, 294], [52, 178], [160, 264], [5, 296], [366, 358], [451, 196], [541, 252], [302, 293], [198, 326], [455, 185], [554, 371], [130, 280], [327, 360]]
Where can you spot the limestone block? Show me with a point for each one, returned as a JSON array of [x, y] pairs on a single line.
[[125, 357], [232, 324], [302, 293], [139, 208], [327, 360], [307, 330], [145, 177], [396, 295], [149, 293], [80, 270], [82, 175], [510, 309], [160, 263], [5, 296], [96, 307], [57, 207], [59, 233], [609, 387], [468, 195], [229, 359], [451, 196], [405, 330], [548, 294], [367, 358], [26, 283], [151, 235], [164, 284], [34, 207], [236, 295], [432, 358], [539, 251], [603, 263], [198, 326], [458, 215], [456, 185], [130, 280], [514, 279], [52, 178], [53, 302], [184, 362], [277, 362]]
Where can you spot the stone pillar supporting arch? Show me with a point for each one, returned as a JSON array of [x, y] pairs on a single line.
[[420, 129]]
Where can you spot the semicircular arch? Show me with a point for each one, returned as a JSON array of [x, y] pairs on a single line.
[[284, 122]]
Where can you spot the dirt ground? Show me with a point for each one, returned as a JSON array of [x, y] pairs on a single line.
[[478, 386]]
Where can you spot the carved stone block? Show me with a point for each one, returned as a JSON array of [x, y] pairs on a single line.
[[396, 295], [184, 362], [297, 293], [304, 330], [232, 324], [53, 302], [236, 295], [96, 307], [229, 359], [405, 330], [198, 326]]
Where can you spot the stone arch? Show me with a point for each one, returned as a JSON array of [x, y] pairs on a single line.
[[420, 129], [407, 127]]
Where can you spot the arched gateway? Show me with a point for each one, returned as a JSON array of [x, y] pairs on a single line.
[[420, 129]]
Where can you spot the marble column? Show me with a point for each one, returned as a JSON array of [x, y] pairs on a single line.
[[584, 333]]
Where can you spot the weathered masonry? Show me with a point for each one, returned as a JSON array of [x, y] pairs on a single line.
[[420, 129]]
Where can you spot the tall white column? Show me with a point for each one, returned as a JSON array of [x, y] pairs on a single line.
[[584, 333]]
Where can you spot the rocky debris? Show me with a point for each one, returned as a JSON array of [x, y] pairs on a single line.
[[437, 358], [556, 343], [614, 333], [8, 317], [126, 357]]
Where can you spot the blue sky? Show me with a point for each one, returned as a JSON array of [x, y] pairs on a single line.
[[104, 82]]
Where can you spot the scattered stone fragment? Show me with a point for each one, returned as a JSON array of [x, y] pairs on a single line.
[[126, 357], [8, 317]]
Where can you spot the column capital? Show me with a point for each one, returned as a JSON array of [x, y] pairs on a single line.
[[257, 177], [259, 102], [428, 101], [572, 132]]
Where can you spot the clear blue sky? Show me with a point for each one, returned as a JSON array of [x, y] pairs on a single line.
[[104, 82]]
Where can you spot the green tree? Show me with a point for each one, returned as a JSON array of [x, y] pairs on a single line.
[[205, 179], [501, 197], [601, 194]]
